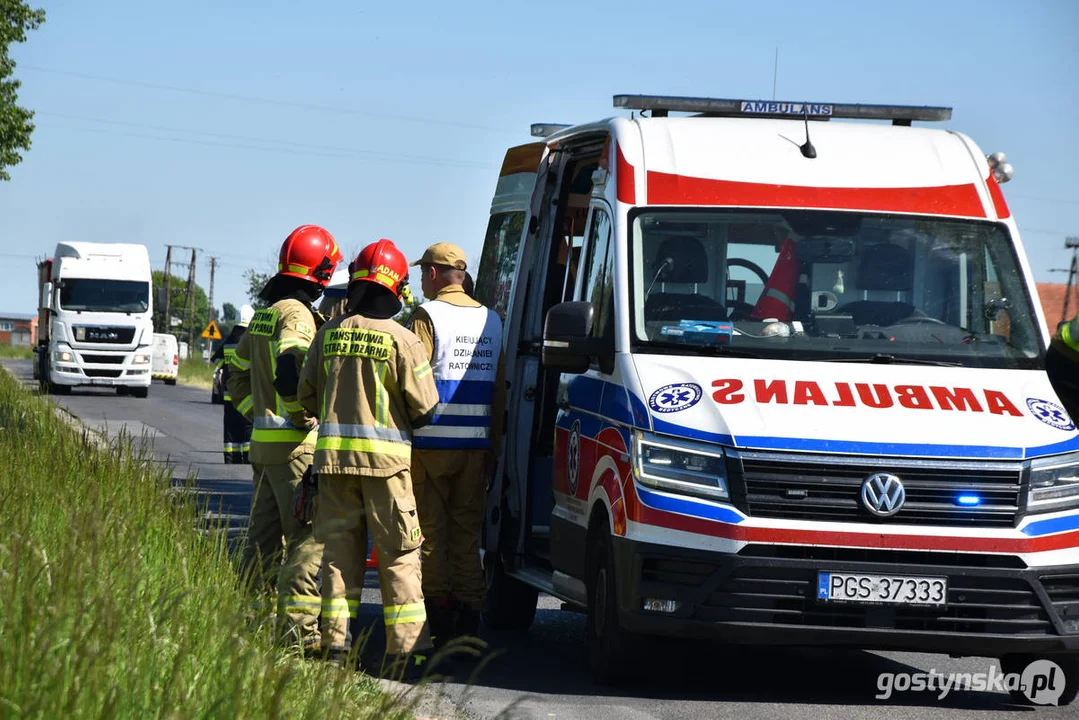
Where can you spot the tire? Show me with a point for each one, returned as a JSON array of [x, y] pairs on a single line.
[[55, 389], [511, 604], [217, 399], [140, 392], [1068, 663], [612, 650], [170, 381]]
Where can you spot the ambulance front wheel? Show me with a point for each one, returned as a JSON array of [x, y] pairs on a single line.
[[511, 604], [612, 650]]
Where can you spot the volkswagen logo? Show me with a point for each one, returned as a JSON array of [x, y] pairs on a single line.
[[883, 494]]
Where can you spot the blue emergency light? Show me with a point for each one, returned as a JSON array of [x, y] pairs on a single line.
[[968, 500]]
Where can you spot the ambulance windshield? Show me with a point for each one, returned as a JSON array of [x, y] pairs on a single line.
[[819, 285]]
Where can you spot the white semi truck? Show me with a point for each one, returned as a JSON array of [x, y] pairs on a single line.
[[95, 314]]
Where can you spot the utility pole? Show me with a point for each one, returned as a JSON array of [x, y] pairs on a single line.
[[213, 267], [168, 288], [187, 302]]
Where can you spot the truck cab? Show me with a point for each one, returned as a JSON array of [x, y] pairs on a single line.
[[96, 318], [776, 377]]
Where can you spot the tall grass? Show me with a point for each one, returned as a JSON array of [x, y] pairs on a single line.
[[113, 606], [195, 371], [17, 352]]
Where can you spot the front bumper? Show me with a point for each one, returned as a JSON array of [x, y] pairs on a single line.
[[766, 595]]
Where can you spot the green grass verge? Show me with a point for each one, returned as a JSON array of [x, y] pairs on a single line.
[[196, 372], [113, 606], [18, 352]]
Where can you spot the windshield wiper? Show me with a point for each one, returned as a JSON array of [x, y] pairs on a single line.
[[887, 359], [708, 349]]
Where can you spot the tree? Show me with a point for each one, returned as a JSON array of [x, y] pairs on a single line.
[[199, 313], [409, 303], [16, 18], [229, 313]]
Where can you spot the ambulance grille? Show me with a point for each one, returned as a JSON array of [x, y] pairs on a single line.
[[828, 489], [787, 596], [1063, 592]]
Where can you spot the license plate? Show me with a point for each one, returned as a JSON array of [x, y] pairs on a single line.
[[882, 589], [102, 381]]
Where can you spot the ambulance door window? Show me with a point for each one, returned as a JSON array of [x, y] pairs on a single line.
[[598, 286], [499, 260]]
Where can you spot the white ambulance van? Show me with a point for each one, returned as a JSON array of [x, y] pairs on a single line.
[[776, 377]]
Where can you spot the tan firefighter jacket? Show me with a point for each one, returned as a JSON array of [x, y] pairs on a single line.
[[369, 383], [281, 428]]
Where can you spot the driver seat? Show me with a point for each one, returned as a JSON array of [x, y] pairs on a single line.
[[882, 267], [681, 259]]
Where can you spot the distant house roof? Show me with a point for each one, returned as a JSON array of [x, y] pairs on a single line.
[[1052, 297], [17, 316]]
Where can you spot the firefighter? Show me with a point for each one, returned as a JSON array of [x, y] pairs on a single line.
[[368, 380], [263, 383], [237, 429], [455, 455], [1062, 365]]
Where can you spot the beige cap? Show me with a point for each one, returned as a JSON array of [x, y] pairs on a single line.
[[444, 253]]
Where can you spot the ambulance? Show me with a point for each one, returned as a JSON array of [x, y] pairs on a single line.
[[776, 377]]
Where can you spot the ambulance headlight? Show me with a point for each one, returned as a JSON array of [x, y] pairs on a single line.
[[1054, 484], [679, 466]]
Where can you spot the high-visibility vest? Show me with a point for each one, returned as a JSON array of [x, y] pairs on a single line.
[[468, 343]]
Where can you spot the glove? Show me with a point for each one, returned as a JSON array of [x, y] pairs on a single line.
[[304, 509]]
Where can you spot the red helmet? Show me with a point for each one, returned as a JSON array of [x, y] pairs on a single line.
[[309, 253], [381, 263]]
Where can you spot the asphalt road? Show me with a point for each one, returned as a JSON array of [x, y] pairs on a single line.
[[543, 674]]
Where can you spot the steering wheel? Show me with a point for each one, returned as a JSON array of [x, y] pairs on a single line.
[[739, 308], [919, 319]]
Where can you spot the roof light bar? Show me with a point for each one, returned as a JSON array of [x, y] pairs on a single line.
[[543, 130], [777, 108]]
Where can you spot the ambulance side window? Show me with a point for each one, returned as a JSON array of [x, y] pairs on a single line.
[[598, 287], [499, 260]]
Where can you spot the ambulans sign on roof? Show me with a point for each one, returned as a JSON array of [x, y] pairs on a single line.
[[662, 104]]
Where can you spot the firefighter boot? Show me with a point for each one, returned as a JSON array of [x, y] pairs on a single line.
[[468, 622], [441, 618], [405, 668]]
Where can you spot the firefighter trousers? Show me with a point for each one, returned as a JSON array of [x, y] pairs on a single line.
[[282, 553], [237, 434], [349, 506], [451, 494]]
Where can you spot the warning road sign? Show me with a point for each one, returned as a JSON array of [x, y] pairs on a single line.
[[211, 332]]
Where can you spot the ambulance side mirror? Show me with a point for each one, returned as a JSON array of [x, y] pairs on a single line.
[[568, 345]]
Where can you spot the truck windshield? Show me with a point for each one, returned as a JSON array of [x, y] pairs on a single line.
[[92, 294], [842, 286]]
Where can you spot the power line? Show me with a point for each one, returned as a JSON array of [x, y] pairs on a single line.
[[247, 138], [193, 141], [264, 101]]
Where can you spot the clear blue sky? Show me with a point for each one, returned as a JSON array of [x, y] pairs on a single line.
[[225, 123]]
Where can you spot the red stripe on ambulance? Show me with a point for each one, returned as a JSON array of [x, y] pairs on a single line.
[[953, 200], [733, 391]]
